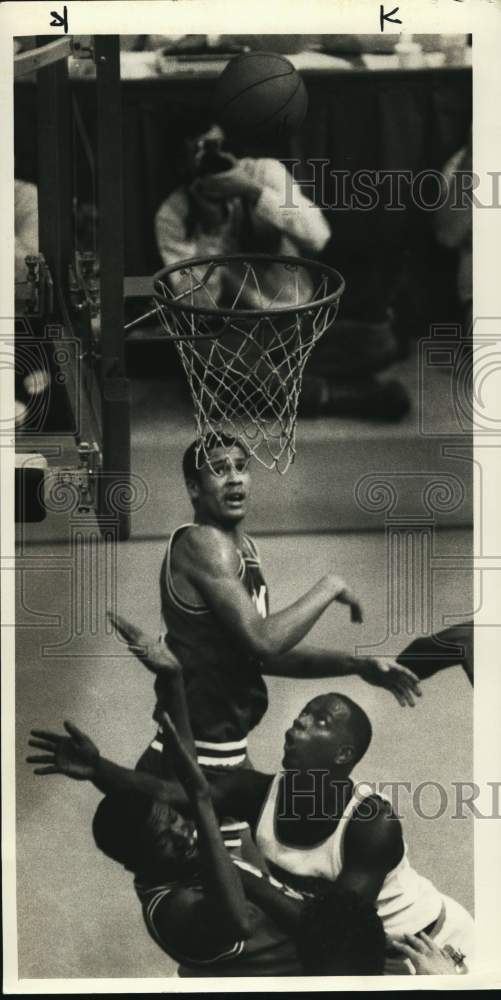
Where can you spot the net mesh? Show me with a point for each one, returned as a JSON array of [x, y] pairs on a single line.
[[244, 329]]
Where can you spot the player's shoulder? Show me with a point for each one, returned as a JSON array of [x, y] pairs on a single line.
[[205, 543], [374, 828]]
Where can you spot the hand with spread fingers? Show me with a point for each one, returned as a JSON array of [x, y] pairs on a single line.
[[74, 755], [152, 653], [426, 957], [383, 671]]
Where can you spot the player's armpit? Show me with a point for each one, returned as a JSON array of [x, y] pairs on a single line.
[[373, 846]]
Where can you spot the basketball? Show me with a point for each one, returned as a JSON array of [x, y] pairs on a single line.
[[261, 93]]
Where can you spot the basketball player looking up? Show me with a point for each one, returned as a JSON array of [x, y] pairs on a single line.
[[316, 827], [215, 606], [191, 888]]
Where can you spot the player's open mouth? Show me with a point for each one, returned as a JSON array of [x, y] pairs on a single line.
[[235, 499]]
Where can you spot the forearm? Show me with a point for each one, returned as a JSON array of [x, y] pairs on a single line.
[[220, 878], [285, 629], [451, 647], [111, 778], [283, 910], [312, 662]]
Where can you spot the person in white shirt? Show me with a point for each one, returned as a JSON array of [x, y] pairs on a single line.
[[316, 827], [231, 206]]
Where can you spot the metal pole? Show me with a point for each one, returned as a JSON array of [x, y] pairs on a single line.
[[114, 384], [54, 168]]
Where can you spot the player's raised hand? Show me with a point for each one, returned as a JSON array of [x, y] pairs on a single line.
[[74, 755], [152, 653], [426, 957], [186, 767], [385, 672]]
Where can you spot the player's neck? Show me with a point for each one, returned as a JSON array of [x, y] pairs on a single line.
[[330, 791], [234, 530]]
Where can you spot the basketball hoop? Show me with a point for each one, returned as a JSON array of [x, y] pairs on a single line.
[[244, 327]]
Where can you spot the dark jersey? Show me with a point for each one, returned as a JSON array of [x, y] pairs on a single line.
[[225, 689], [268, 951]]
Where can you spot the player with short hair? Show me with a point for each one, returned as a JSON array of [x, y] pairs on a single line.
[[364, 850], [314, 827], [190, 887], [215, 605]]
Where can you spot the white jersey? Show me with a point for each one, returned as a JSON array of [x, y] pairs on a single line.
[[407, 902]]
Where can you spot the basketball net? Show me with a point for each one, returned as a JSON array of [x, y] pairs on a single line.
[[244, 359]]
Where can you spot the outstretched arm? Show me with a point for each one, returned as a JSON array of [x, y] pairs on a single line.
[[155, 656], [451, 647], [77, 757], [238, 794], [223, 891], [223, 906], [311, 661]]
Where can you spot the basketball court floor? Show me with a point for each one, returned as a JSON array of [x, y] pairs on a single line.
[[77, 912]]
